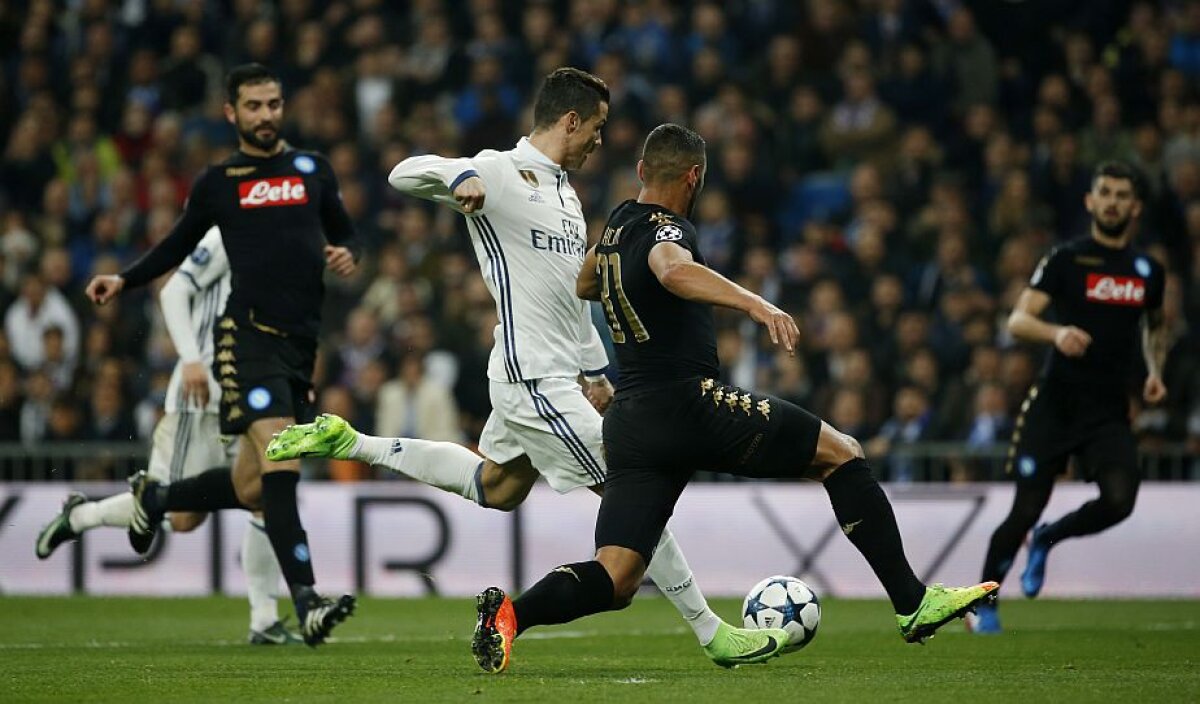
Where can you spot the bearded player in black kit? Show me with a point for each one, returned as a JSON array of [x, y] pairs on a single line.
[[671, 417], [282, 223], [1101, 290]]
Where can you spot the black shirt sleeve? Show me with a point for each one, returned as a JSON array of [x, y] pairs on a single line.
[[184, 236], [679, 233], [1047, 278], [1155, 287], [339, 229]]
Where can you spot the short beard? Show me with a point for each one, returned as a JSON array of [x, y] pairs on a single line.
[[1115, 230], [252, 138]]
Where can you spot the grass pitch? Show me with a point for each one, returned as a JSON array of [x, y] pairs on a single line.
[[182, 650]]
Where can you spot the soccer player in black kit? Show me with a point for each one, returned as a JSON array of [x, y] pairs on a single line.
[[671, 418], [1103, 292], [276, 207]]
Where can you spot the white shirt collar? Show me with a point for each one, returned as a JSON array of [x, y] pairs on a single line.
[[528, 152]]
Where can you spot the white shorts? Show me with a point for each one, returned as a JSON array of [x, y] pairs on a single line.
[[551, 421], [186, 444]]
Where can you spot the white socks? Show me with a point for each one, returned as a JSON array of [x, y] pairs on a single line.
[[262, 574], [115, 511], [446, 465], [671, 574]]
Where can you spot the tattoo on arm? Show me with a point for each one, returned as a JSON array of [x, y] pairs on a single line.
[[1155, 341]]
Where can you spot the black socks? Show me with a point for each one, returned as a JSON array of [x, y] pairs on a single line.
[[288, 538], [208, 491], [866, 518], [567, 593]]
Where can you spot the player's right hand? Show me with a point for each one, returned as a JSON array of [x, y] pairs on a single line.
[[782, 326], [470, 194], [1072, 341], [102, 289], [194, 383]]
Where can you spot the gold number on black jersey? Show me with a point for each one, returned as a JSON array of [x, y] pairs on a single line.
[[611, 264]]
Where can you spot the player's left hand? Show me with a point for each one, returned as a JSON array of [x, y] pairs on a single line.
[[340, 260], [599, 394], [1154, 389], [194, 388]]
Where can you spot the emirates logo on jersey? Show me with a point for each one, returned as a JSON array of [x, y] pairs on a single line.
[[1116, 290], [272, 192]]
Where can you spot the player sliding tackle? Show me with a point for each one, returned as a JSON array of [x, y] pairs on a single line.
[[671, 418], [528, 230]]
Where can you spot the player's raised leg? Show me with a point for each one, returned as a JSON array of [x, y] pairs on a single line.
[[78, 516], [1113, 459], [866, 517], [445, 465]]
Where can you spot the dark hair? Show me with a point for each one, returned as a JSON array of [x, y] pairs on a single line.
[[670, 150], [247, 75], [568, 89], [1122, 170]]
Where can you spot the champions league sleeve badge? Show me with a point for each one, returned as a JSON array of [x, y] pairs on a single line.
[[668, 233]]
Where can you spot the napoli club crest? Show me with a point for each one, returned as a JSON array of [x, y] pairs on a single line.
[[304, 164]]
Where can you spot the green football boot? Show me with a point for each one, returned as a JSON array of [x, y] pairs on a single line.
[[327, 436], [743, 646], [942, 605], [58, 531]]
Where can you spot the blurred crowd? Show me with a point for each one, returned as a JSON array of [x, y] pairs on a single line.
[[889, 171]]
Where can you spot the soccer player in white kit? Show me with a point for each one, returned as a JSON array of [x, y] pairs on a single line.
[[187, 440], [529, 234]]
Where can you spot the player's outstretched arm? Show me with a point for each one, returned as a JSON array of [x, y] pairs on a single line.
[[175, 247], [680, 274], [453, 182], [1025, 323]]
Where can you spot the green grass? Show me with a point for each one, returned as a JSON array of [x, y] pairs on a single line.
[[92, 649]]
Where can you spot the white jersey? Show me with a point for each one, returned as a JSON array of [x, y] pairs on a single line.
[[207, 277], [530, 238]]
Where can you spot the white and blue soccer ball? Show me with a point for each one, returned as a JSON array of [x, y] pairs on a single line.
[[787, 603]]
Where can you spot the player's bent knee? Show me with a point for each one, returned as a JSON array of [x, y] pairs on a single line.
[[249, 493], [186, 522], [627, 569], [834, 449]]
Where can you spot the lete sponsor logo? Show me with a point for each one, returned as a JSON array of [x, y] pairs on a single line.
[[272, 192], [1116, 290]]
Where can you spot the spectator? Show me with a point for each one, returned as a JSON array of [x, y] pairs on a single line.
[[37, 309], [909, 424], [415, 406], [969, 61], [860, 126]]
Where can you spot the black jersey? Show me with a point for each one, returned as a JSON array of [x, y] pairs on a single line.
[[1104, 292], [659, 337], [275, 215]]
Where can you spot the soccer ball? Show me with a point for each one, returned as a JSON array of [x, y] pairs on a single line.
[[787, 603]]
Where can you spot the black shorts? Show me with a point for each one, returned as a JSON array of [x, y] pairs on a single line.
[[1058, 421], [263, 373], [655, 440]]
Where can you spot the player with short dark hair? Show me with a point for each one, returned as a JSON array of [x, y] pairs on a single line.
[[530, 236], [282, 223], [671, 418], [1101, 290]]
